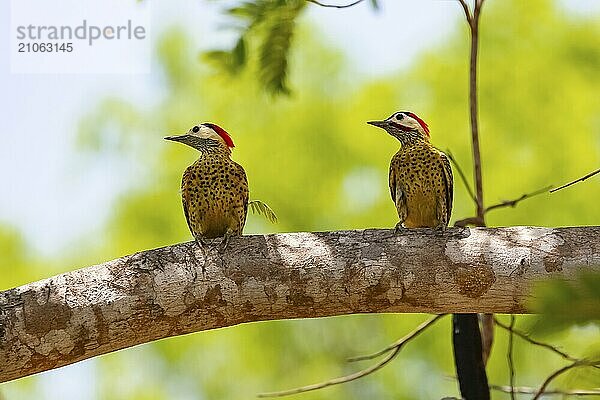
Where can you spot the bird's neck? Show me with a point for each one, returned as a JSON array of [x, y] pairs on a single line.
[[226, 153], [411, 138], [412, 141], [212, 148]]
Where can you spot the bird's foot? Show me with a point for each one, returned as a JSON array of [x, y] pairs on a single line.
[[201, 242], [399, 227], [224, 243]]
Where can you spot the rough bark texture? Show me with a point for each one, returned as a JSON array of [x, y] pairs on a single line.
[[179, 289]]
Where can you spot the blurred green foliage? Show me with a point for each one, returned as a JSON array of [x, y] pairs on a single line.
[[271, 24], [313, 159], [273, 21], [563, 303]]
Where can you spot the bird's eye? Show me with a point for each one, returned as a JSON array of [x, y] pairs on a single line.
[[195, 129], [399, 116]]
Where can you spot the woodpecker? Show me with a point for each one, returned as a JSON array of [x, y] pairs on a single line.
[[214, 189], [420, 178]]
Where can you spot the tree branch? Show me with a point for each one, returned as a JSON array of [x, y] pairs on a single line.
[[395, 348], [180, 289], [465, 8], [583, 178]]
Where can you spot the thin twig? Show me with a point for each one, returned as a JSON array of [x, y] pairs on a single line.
[[558, 372], [526, 337], [511, 363], [530, 390], [583, 178], [465, 7], [396, 349], [462, 175], [512, 203], [476, 221], [399, 342], [335, 5], [473, 108]]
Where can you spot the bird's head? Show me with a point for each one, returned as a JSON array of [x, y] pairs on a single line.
[[405, 126], [206, 137]]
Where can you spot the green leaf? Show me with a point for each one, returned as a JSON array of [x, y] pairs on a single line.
[[261, 208], [274, 51], [239, 54], [272, 23], [231, 61], [253, 11]]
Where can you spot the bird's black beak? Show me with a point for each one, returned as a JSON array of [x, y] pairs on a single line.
[[379, 124], [178, 138]]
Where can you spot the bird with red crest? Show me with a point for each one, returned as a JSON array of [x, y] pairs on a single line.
[[420, 177], [214, 188]]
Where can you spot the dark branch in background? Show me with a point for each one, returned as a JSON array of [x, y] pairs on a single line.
[[468, 357], [394, 348], [558, 372], [333, 5], [583, 178]]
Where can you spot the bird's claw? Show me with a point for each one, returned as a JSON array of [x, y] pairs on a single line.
[[201, 242], [224, 243], [399, 227]]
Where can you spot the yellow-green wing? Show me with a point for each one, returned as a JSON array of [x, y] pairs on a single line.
[[448, 183], [185, 196]]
